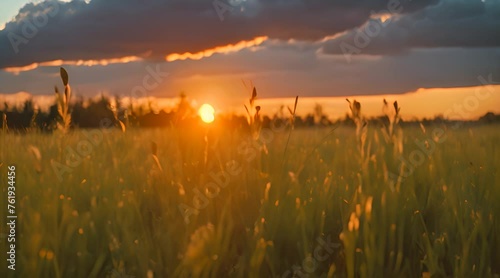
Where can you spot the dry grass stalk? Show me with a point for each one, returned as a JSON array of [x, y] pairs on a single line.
[[4, 122], [361, 130], [37, 155], [154, 154], [393, 133], [64, 121], [253, 112]]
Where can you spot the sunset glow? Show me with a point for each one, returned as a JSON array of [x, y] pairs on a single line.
[[87, 63], [206, 113], [219, 49]]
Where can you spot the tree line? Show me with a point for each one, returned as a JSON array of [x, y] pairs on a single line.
[[90, 114]]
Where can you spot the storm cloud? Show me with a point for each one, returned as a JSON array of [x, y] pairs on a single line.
[[449, 23], [152, 29]]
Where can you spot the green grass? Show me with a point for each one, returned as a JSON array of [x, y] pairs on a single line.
[[117, 212]]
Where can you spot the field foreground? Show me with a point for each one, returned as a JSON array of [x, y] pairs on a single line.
[[209, 202]]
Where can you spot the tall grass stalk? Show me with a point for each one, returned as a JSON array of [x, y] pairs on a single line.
[[64, 121]]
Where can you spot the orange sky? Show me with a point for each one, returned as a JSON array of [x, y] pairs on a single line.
[[369, 48], [453, 103]]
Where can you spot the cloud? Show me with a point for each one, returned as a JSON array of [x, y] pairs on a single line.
[[220, 49], [88, 63], [276, 73], [274, 43], [106, 29], [450, 23]]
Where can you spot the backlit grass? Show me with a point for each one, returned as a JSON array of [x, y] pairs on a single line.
[[116, 212]]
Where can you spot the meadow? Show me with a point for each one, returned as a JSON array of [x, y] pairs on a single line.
[[210, 201]]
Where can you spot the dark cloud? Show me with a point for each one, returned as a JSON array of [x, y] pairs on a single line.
[[105, 29], [276, 73], [450, 23]]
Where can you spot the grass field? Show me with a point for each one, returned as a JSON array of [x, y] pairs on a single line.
[[178, 203]]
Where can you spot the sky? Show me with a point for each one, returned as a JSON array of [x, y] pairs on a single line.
[[9, 10], [429, 54]]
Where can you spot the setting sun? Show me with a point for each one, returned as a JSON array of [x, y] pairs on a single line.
[[206, 113], [366, 132]]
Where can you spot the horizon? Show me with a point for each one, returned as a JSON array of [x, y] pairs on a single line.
[[334, 107]]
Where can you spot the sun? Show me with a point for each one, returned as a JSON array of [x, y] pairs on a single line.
[[206, 113]]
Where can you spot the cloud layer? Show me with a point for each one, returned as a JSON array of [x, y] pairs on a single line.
[[104, 29], [450, 23], [285, 47]]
